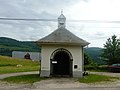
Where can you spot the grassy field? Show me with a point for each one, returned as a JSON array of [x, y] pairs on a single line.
[[12, 65], [24, 79], [93, 78]]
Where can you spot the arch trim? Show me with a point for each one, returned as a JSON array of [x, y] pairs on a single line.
[[61, 49]]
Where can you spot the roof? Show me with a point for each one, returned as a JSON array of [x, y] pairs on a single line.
[[62, 36], [61, 16]]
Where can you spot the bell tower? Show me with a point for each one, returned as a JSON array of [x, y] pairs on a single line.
[[61, 20]]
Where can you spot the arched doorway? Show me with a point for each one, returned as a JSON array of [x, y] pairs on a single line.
[[61, 63]]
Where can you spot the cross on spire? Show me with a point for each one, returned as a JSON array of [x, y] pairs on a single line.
[[61, 11], [61, 20]]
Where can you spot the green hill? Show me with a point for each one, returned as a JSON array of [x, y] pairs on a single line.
[[12, 65], [7, 45], [95, 54]]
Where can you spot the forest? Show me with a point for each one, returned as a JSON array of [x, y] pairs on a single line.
[[7, 45]]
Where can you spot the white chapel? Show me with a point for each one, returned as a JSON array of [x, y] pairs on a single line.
[[62, 52]]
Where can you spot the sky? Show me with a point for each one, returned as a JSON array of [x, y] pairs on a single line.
[[79, 14]]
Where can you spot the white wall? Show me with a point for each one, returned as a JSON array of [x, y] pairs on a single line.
[[20, 54], [47, 50]]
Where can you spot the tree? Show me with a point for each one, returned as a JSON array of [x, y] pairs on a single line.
[[89, 63], [111, 51], [88, 60]]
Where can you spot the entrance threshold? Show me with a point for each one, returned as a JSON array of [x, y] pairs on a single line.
[[63, 76]]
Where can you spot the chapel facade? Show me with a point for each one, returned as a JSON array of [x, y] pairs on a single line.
[[62, 52]]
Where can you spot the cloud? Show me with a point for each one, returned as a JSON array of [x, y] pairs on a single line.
[[50, 9]]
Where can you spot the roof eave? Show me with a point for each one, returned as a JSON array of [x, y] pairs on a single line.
[[62, 43]]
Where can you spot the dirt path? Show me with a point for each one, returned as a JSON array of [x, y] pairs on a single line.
[[63, 84], [60, 84]]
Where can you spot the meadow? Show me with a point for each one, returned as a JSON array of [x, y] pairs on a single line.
[[13, 65]]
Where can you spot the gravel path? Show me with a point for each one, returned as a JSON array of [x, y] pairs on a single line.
[[62, 84]]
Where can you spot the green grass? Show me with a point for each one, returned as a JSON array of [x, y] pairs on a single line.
[[93, 78], [24, 79], [9, 65]]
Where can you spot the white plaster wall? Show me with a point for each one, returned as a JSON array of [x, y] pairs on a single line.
[[47, 50], [77, 57]]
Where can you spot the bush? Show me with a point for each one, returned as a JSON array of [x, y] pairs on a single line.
[[102, 68], [90, 67]]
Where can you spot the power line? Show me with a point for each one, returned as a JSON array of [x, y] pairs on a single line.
[[54, 20], [23, 19], [94, 21]]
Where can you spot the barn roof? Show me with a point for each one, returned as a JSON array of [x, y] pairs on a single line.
[[62, 36]]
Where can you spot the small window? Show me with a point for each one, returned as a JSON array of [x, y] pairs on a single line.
[[75, 66], [61, 23]]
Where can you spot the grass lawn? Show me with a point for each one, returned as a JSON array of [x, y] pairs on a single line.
[[12, 65], [24, 79], [93, 78]]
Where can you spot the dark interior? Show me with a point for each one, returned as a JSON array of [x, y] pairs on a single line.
[[62, 67]]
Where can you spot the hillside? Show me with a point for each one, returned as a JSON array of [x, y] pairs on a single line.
[[95, 54], [7, 45], [12, 65]]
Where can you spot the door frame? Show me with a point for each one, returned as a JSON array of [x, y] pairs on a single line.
[[52, 58]]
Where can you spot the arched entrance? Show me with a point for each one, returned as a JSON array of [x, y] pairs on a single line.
[[61, 63]]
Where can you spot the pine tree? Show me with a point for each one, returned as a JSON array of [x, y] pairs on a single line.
[[111, 51]]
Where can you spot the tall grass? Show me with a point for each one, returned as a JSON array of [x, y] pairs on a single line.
[[11, 65]]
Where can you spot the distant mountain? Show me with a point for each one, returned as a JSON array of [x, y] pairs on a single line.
[[7, 45], [95, 54]]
